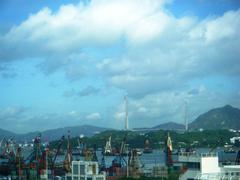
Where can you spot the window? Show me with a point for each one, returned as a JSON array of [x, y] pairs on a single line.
[[82, 169], [75, 169], [94, 168], [193, 165], [99, 178], [69, 178], [90, 169]]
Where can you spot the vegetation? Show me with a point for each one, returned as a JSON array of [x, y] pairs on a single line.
[[206, 138], [216, 123]]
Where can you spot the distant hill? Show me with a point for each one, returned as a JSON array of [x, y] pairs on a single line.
[[5, 133], [170, 126], [54, 134], [226, 117], [165, 126], [86, 130]]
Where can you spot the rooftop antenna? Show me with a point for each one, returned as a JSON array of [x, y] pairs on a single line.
[[126, 111], [185, 116]]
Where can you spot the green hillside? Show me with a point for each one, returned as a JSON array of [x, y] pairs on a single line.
[[226, 117]]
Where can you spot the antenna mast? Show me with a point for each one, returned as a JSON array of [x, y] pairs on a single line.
[[126, 111], [185, 116]]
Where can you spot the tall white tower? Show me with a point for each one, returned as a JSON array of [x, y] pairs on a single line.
[[185, 116], [126, 113]]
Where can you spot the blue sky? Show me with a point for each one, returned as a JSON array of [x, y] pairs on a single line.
[[66, 63]]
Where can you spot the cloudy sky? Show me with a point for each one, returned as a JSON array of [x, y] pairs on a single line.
[[70, 62]]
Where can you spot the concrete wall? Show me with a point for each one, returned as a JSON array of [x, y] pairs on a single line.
[[209, 165]]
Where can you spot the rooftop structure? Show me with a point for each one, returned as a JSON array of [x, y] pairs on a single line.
[[206, 167]]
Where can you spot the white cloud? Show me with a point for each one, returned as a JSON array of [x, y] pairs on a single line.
[[119, 116], [186, 50], [93, 116], [223, 27], [72, 27], [73, 113], [12, 112], [159, 54], [156, 43], [142, 110], [154, 109]]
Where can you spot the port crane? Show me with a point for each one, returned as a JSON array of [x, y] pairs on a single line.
[[68, 156], [169, 161], [118, 161], [57, 152]]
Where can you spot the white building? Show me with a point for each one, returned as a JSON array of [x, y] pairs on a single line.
[[206, 167], [234, 139], [85, 170]]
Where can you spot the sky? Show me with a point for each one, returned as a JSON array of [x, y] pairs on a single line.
[[67, 63]]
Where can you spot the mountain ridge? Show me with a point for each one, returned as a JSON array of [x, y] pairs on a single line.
[[226, 117], [170, 126], [54, 134]]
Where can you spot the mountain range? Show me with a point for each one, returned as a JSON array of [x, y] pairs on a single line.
[[54, 134], [226, 117]]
